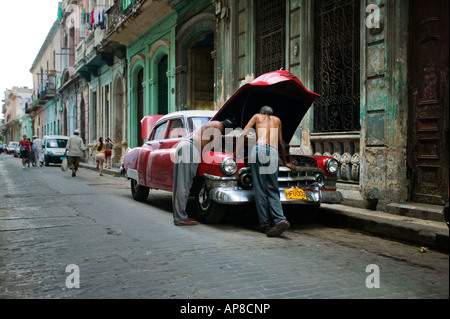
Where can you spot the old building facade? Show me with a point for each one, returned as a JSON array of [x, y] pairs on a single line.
[[45, 71], [381, 69], [16, 122]]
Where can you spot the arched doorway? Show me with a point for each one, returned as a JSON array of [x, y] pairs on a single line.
[[195, 75], [65, 123], [163, 86], [201, 73], [82, 120], [118, 113], [140, 105]]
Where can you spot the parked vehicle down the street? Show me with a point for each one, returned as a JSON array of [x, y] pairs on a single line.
[[54, 147], [223, 181], [16, 151], [11, 147]]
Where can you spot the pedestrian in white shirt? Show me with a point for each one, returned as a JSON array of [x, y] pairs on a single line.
[[75, 148], [38, 151]]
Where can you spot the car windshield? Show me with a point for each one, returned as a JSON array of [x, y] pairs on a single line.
[[56, 143], [196, 122]]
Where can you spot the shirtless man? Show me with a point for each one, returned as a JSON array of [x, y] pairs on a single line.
[[187, 159], [264, 163]]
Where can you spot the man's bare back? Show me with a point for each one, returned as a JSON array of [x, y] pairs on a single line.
[[269, 131]]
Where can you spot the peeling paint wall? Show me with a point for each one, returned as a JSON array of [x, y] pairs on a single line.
[[384, 110], [373, 170]]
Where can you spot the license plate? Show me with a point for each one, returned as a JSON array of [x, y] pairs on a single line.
[[295, 193]]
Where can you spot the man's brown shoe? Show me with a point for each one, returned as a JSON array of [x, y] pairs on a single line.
[[278, 229], [186, 222]]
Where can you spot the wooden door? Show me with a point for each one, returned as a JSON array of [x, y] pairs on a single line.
[[428, 158], [201, 77]]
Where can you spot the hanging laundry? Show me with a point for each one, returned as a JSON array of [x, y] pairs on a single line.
[[102, 19], [92, 18], [96, 17]]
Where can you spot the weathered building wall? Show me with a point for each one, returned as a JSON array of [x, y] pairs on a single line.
[[384, 107], [373, 160]]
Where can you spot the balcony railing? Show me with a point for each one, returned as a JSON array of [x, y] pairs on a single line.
[[116, 17], [47, 89]]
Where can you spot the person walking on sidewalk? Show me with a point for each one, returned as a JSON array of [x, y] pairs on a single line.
[[31, 154], [108, 152], [39, 154], [25, 148], [75, 148], [265, 167], [100, 149]]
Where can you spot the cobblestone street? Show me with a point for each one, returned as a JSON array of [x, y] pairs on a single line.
[[126, 249]]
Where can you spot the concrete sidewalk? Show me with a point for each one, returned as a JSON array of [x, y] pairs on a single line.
[[426, 233], [426, 229]]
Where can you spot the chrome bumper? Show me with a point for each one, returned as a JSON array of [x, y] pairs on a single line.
[[226, 190], [332, 197], [237, 196]]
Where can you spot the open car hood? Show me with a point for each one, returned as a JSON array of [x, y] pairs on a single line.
[[281, 90]]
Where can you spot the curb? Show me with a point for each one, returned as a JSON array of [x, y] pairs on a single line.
[[431, 234], [113, 171]]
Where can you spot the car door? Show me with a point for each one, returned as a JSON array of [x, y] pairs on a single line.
[[161, 167]]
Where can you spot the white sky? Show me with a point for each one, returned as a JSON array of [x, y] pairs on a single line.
[[24, 25]]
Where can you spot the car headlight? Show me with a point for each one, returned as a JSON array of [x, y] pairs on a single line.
[[228, 165], [332, 166]]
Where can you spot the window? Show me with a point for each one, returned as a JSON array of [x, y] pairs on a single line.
[[176, 129], [159, 132], [270, 26], [56, 143], [337, 66], [195, 122]]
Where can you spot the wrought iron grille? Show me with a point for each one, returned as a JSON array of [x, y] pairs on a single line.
[[270, 35], [337, 65]]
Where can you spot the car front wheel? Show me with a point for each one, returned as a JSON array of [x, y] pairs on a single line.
[[139, 192], [206, 210]]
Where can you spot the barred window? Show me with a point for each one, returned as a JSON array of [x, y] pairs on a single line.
[[270, 35], [337, 65]]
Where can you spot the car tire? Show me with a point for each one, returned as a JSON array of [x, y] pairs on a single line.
[[47, 163], [139, 192], [206, 210]]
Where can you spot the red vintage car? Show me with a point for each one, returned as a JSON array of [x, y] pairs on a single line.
[[223, 181]]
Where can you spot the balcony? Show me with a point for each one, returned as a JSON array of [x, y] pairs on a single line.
[[47, 89], [124, 26], [88, 58]]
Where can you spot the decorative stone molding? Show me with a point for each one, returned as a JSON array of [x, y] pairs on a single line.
[[342, 146]]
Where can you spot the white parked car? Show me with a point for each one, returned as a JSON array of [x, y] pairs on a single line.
[[11, 147], [54, 148]]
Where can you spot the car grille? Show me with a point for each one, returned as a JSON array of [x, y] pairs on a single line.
[[305, 177]]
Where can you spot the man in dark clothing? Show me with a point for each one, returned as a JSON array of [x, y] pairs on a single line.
[[265, 166]]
